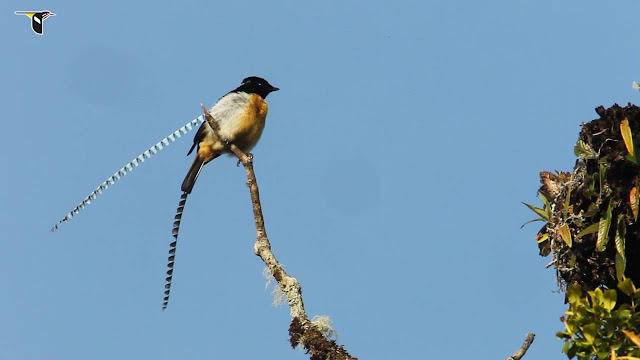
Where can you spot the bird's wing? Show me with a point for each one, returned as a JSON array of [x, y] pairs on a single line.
[[199, 136]]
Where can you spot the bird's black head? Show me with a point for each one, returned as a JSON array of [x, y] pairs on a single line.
[[256, 85], [44, 14]]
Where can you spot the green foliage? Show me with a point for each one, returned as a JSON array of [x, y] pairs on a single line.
[[603, 229], [596, 329], [591, 229], [627, 137], [621, 260], [582, 220], [584, 150], [543, 213]]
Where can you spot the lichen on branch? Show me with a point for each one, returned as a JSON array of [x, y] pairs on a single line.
[[302, 331]]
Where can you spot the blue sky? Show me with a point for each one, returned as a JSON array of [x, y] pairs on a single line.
[[391, 172]]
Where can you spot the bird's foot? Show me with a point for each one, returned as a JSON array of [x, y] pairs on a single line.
[[248, 158]]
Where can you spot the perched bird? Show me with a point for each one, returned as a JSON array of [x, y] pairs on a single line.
[[241, 114]]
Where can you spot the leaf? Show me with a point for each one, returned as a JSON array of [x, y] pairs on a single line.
[[621, 264], [542, 238], [565, 233], [621, 258], [604, 166], [546, 200], [633, 337], [633, 200], [625, 130], [530, 221], [613, 354], [609, 299], [584, 150], [603, 229], [541, 212], [627, 287], [567, 200], [574, 293], [623, 314], [570, 328], [588, 230], [589, 331], [596, 296], [621, 230]]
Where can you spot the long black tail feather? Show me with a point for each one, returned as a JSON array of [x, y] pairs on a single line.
[[172, 248], [192, 175]]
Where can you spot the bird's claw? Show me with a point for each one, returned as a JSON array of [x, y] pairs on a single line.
[[249, 158]]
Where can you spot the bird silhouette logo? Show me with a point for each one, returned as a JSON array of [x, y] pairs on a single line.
[[37, 19]]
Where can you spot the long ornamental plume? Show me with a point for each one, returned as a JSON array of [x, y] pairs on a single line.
[[130, 166], [172, 248]]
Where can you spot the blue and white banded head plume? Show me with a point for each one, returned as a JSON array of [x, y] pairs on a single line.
[[130, 166]]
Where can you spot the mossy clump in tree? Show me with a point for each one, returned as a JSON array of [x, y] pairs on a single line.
[[591, 214]]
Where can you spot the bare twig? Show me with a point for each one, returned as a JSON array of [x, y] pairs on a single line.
[[301, 331], [523, 349]]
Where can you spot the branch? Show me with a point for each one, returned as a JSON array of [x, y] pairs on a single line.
[[302, 331], [523, 349]]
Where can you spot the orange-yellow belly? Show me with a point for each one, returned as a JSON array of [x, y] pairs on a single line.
[[249, 127], [205, 151]]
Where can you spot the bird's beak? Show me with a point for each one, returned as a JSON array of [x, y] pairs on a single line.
[[273, 88]]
